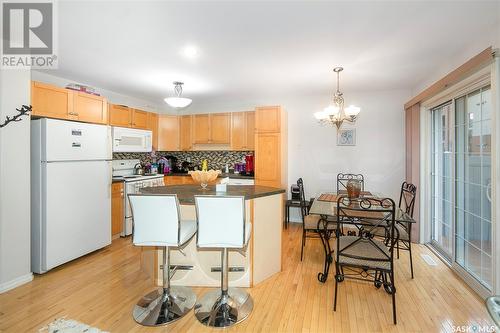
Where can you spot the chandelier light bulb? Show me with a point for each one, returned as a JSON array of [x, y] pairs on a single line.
[[352, 110], [320, 115], [332, 110]]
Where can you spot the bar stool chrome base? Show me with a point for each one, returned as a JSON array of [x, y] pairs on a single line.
[[215, 310], [157, 308]]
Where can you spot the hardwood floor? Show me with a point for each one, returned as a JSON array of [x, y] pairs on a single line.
[[100, 289]]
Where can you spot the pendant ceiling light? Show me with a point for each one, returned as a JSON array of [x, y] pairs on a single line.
[[336, 114], [178, 102]]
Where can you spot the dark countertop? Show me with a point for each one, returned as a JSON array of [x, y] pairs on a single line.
[[186, 193], [118, 180]]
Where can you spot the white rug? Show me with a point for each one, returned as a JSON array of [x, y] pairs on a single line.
[[63, 325]]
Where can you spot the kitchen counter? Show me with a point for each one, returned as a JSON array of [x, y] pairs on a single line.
[[186, 193], [262, 258]]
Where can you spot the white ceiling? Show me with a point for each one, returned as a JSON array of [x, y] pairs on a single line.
[[262, 48]]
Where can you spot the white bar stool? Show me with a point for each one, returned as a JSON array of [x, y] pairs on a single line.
[[221, 224], [157, 223]]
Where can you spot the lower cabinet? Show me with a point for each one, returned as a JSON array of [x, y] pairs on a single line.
[[267, 160], [116, 209], [178, 180]]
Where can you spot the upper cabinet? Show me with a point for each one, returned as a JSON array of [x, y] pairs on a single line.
[[268, 119], [123, 116], [168, 133], [250, 130], [213, 128], [50, 101], [54, 102], [243, 130], [139, 119], [186, 140], [201, 128], [120, 115], [220, 128], [153, 127], [90, 108]]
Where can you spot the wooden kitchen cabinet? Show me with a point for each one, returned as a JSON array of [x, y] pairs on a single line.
[[186, 141], [213, 128], [178, 180], [51, 101], [268, 119], [267, 163], [153, 127], [220, 128], [243, 130], [139, 119], [120, 115], [90, 108], [54, 102], [201, 128], [250, 130], [117, 214], [270, 148], [238, 130], [183, 180], [168, 133]]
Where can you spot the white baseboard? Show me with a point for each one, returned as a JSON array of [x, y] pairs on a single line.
[[6, 286]]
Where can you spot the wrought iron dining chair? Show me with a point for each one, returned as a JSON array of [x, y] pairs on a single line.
[[344, 178], [407, 205], [364, 257], [403, 229], [309, 221]]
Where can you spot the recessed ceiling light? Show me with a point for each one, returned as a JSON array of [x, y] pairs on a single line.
[[190, 51]]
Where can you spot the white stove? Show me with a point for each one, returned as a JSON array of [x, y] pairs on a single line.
[[124, 170]]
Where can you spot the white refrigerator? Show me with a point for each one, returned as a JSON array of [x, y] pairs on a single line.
[[70, 191]]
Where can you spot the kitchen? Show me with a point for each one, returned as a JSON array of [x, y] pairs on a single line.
[[181, 164], [147, 150], [138, 150]]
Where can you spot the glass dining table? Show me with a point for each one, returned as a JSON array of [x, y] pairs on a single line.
[[325, 205]]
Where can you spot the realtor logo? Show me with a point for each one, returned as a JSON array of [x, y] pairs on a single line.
[[28, 35]]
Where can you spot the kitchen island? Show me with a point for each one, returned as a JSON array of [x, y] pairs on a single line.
[[260, 260]]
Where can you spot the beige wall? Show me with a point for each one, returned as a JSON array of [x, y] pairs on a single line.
[[313, 153]]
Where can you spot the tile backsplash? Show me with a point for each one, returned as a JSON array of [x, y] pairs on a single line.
[[217, 159]]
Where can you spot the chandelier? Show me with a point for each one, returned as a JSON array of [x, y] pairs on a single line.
[[178, 102], [336, 114]]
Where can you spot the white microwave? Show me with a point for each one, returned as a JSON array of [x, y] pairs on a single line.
[[131, 140]]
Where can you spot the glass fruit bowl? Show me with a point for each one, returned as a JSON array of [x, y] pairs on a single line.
[[204, 177]]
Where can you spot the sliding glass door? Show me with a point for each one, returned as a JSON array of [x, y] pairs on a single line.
[[473, 185], [461, 184], [442, 180]]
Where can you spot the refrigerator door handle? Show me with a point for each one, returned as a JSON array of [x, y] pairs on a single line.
[[110, 177]]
